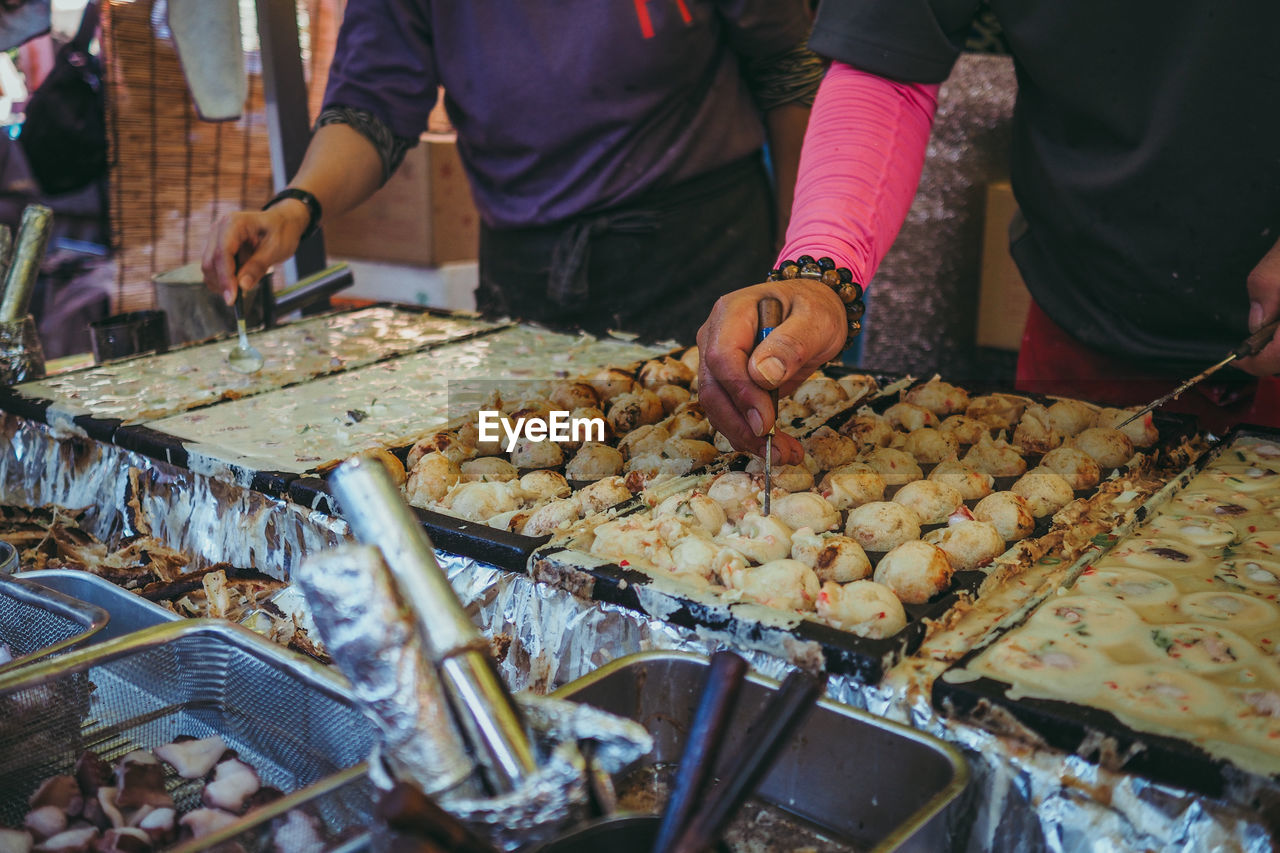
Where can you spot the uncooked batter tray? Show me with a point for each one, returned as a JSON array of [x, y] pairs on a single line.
[[1092, 733]]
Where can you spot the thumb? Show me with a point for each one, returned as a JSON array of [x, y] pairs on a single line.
[[791, 350], [253, 269], [1264, 290]]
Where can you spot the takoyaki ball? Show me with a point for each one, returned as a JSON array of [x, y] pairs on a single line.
[[941, 398], [1035, 432], [698, 452], [805, 509], [393, 465], [909, 416], [790, 410], [865, 608], [648, 438], [1044, 490], [996, 457], [972, 485], [1008, 513], [609, 382], [633, 409], [469, 436], [665, 371], [1109, 447], [930, 445], [1142, 432], [482, 500], [858, 385], [737, 492], [1073, 465], [690, 358], [545, 485], [531, 409], [442, 442], [1069, 417], [548, 518], [997, 410], [488, 469], [932, 501], [694, 508], [782, 584], [514, 520], [820, 392], [602, 494], [690, 423], [894, 466], [672, 396], [568, 396], [968, 544], [431, 479], [788, 478], [536, 454], [852, 485], [594, 461], [868, 430], [882, 525], [832, 557], [830, 449], [967, 430], [630, 539], [596, 430], [721, 442], [759, 538], [916, 571]]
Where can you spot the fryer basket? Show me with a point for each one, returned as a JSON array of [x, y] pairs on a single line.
[[36, 622]]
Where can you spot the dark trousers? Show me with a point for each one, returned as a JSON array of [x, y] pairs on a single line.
[[654, 266]]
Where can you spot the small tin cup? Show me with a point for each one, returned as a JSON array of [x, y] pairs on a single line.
[[125, 335]]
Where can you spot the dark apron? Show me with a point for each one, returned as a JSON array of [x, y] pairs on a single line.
[[653, 266]]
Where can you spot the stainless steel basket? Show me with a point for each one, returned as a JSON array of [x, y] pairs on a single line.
[[288, 717], [128, 611], [36, 621]]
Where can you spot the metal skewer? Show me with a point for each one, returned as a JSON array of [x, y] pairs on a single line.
[[769, 317]]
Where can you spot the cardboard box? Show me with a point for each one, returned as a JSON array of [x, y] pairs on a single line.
[[423, 216], [1003, 299]]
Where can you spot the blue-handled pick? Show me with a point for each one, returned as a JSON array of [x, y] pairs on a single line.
[[769, 317]]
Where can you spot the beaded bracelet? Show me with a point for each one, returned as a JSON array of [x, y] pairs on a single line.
[[839, 279]]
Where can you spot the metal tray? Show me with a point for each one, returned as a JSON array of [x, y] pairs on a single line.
[[1075, 728], [128, 611], [860, 780], [290, 718], [36, 622]]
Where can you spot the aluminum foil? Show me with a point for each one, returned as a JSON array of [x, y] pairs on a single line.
[[21, 355]]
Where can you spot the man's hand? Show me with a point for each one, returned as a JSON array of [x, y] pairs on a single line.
[[1264, 299], [734, 381], [243, 246]]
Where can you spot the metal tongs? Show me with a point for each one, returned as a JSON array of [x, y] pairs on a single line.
[[768, 317]]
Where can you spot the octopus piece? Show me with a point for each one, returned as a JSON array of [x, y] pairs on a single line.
[[610, 382], [594, 461], [536, 454], [602, 494], [852, 485], [968, 544], [930, 445], [1073, 465], [972, 485], [549, 518], [233, 782], [967, 430], [643, 439], [488, 469], [665, 371], [863, 607], [882, 525], [445, 443], [694, 508], [805, 509], [15, 841], [830, 449], [1110, 448], [630, 541], [689, 423], [78, 840], [868, 430], [788, 478], [894, 466], [996, 457], [1069, 417], [192, 758], [737, 492], [858, 385], [672, 397], [481, 501], [932, 501], [699, 453], [941, 398], [783, 584], [567, 396], [916, 571], [202, 822], [832, 557], [545, 485], [759, 538], [820, 392], [909, 417], [633, 409], [1008, 513], [1142, 432], [997, 410], [431, 479], [61, 792], [1035, 432], [45, 822]]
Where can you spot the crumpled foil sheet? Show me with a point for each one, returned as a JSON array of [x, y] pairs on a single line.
[[922, 302], [21, 355], [1020, 798]]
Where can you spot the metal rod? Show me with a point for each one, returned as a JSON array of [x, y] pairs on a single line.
[[28, 254]]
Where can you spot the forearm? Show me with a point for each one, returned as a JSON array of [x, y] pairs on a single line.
[[341, 169], [786, 125]]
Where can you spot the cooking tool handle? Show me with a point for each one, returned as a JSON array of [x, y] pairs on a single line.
[[310, 289], [706, 734], [768, 318], [1258, 341]]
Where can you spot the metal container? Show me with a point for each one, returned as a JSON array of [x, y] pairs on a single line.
[[288, 717], [857, 779], [8, 559], [129, 611], [21, 354], [194, 312], [36, 622]]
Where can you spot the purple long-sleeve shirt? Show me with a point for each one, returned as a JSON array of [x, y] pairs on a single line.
[[565, 107]]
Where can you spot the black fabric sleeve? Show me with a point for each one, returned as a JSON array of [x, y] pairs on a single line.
[[915, 41], [391, 148], [791, 77]]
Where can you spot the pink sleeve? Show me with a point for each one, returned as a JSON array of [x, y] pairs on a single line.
[[859, 168]]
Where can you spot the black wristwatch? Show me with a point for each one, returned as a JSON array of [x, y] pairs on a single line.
[[312, 203]]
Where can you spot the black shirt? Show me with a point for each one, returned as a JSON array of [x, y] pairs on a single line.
[[1146, 153]]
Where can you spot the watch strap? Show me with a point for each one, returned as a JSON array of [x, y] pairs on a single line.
[[312, 203]]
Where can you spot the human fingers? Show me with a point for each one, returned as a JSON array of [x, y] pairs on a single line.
[[1263, 285]]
